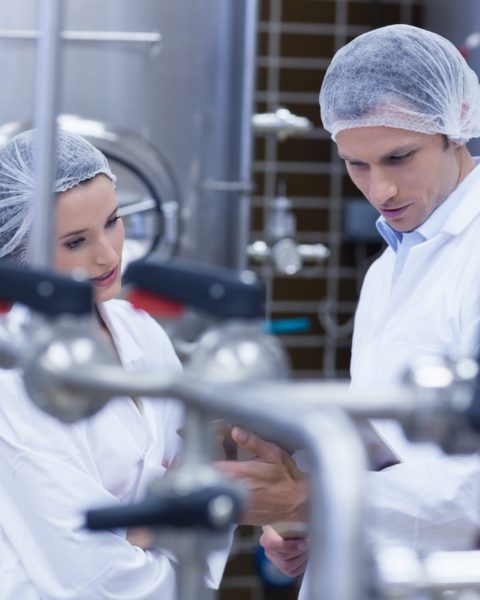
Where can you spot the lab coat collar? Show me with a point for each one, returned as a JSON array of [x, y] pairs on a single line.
[[128, 349], [468, 206], [452, 216]]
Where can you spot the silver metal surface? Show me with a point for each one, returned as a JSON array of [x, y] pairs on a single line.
[[142, 169], [125, 37], [456, 21], [194, 472], [403, 575], [69, 343], [281, 122], [46, 107], [245, 133], [315, 421], [336, 502], [238, 351], [193, 101]]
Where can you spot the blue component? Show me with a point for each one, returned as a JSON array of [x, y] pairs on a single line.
[[279, 326], [268, 572]]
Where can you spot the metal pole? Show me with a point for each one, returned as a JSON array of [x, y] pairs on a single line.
[[108, 37], [46, 108], [246, 129], [337, 551]]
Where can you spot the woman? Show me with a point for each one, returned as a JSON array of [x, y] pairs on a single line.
[[50, 473]]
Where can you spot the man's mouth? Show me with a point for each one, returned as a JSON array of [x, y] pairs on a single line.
[[394, 213]]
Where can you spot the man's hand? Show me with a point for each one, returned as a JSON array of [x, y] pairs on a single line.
[[290, 556], [278, 489]]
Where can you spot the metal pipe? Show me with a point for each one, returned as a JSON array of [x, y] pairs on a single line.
[[46, 108], [123, 37], [398, 402], [337, 507], [246, 130], [336, 501], [402, 573]]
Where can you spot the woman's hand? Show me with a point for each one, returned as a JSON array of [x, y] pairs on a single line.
[[141, 537], [290, 556]]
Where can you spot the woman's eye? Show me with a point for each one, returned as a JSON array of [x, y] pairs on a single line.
[[112, 222], [74, 244]]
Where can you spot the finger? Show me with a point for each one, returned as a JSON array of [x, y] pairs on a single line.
[[141, 536], [231, 468], [230, 448], [273, 542], [249, 441], [292, 567]]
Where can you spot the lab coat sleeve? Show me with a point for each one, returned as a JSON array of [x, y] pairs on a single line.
[[45, 485], [427, 503]]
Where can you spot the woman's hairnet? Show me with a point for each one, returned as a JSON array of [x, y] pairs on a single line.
[[404, 77], [77, 161]]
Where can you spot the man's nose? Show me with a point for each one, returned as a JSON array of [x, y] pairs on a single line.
[[381, 188]]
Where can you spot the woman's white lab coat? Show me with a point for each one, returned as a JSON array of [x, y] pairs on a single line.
[[50, 473]]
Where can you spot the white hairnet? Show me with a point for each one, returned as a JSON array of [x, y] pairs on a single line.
[[403, 77], [77, 161]]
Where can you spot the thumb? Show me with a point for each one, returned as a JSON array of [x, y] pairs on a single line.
[[256, 445]]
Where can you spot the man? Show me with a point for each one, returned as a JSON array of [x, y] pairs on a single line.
[[400, 103]]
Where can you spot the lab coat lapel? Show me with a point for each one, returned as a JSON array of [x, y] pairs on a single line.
[[417, 264]]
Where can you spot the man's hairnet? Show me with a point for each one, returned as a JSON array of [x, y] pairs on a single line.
[[77, 161], [404, 77]]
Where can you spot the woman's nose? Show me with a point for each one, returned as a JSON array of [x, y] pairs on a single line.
[[105, 253]]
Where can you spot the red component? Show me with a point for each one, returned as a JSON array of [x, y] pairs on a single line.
[[155, 305], [5, 307], [465, 52]]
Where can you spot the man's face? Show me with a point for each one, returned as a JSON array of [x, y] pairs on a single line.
[[403, 174]]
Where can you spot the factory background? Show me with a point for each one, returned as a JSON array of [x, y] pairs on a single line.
[[178, 105]]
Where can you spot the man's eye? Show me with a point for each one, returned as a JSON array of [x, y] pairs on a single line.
[[400, 157]]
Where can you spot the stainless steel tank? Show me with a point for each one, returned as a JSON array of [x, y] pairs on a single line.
[[189, 98]]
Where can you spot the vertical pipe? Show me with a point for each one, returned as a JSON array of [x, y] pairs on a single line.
[[46, 105], [338, 559], [246, 133], [338, 555]]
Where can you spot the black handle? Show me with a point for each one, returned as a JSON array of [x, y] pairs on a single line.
[[45, 292], [196, 509], [215, 290]]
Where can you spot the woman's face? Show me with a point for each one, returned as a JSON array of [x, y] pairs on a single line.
[[90, 235]]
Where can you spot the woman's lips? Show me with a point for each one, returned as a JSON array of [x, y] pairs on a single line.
[[106, 279], [394, 213]]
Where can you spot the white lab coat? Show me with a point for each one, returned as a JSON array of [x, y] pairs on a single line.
[[430, 501], [50, 473]]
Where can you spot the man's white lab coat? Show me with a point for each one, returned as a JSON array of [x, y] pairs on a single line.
[[50, 473], [429, 501]]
